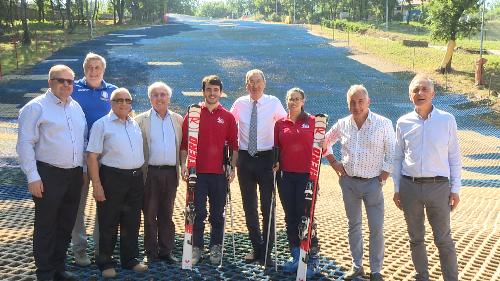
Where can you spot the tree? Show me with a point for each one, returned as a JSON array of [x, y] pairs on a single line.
[[40, 4], [26, 32], [449, 20]]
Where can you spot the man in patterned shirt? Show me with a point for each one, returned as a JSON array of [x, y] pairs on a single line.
[[367, 148]]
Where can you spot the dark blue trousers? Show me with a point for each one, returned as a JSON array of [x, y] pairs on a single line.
[[213, 186]]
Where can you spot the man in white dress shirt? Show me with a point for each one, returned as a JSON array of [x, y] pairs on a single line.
[[367, 148], [118, 187], [427, 172], [161, 133], [50, 145], [255, 158]]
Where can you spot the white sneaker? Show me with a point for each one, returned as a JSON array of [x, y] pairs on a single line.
[[196, 255], [81, 258], [109, 273], [140, 267], [215, 254]]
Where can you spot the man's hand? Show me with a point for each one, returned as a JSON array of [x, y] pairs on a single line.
[[383, 177], [98, 192], [36, 188], [184, 173], [276, 167], [454, 200], [231, 176], [397, 200], [339, 168]]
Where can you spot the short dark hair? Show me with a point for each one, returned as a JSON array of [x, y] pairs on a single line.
[[212, 80]]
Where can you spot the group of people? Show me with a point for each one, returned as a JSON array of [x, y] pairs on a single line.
[[82, 131]]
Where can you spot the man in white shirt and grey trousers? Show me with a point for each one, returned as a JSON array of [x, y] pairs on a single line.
[[50, 145], [367, 148], [427, 171]]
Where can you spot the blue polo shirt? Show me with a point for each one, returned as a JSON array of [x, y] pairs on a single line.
[[94, 102]]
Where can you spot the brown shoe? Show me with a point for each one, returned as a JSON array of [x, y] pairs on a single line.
[[109, 273], [140, 267]]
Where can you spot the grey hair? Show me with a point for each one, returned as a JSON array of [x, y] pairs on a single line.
[[120, 90], [252, 72], [161, 85], [421, 77], [93, 56], [356, 89]]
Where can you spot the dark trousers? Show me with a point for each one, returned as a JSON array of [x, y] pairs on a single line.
[[122, 208], [252, 171], [159, 198], [213, 186], [291, 187], [55, 215]]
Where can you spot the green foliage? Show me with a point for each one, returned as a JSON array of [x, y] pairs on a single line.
[[344, 24], [213, 9], [452, 19]]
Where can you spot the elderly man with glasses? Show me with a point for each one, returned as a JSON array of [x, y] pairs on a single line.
[[50, 145], [116, 143], [162, 134]]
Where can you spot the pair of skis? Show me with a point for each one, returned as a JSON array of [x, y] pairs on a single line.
[[194, 113], [307, 227]]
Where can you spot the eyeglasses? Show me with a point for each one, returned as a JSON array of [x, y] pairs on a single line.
[[294, 99], [122, 101], [62, 80]]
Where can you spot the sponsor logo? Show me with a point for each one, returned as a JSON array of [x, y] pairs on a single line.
[[104, 96], [305, 126], [220, 120]]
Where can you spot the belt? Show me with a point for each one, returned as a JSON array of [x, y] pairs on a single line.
[[360, 178], [47, 165], [426, 179], [161, 167], [125, 172], [259, 153]]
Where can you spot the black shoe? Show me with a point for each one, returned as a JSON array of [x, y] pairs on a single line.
[[269, 261], [376, 277], [65, 276], [169, 258], [354, 273]]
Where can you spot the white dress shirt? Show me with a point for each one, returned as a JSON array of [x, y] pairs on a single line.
[[269, 110], [118, 142], [162, 140], [366, 152], [427, 148], [52, 132]]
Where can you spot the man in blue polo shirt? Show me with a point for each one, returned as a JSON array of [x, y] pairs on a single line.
[[92, 93]]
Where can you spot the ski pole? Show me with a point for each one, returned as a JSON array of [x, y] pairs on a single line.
[[232, 223], [272, 205]]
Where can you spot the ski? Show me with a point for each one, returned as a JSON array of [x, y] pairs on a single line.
[[307, 227], [194, 112]]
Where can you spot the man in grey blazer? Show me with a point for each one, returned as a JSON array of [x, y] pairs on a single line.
[[162, 133]]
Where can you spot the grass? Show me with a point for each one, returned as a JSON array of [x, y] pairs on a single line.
[[388, 47], [46, 38]]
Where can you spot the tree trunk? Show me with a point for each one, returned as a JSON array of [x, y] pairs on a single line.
[[53, 10], [446, 62], [26, 32], [69, 16]]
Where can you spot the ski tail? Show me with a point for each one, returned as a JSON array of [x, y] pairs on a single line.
[[194, 112], [307, 228]]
